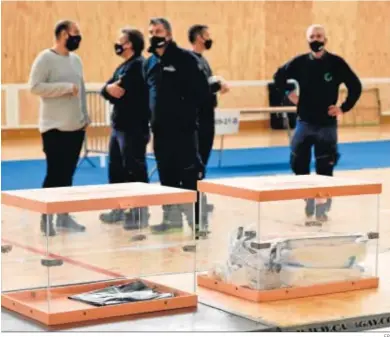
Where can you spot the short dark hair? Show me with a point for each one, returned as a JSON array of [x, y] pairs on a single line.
[[162, 21], [60, 26], [136, 38], [194, 31]]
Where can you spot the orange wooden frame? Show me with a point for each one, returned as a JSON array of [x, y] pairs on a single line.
[[286, 293], [60, 310], [269, 188]]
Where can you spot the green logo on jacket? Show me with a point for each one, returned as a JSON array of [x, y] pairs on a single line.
[[328, 77]]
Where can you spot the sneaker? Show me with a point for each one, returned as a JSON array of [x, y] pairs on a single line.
[[47, 226], [65, 221], [172, 221], [137, 218], [310, 207], [188, 211], [210, 208], [115, 216], [328, 204], [321, 210]]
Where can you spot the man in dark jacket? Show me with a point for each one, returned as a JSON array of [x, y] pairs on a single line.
[[130, 117], [199, 37], [319, 74], [177, 86]]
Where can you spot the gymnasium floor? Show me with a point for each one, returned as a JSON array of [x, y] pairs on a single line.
[[95, 247]]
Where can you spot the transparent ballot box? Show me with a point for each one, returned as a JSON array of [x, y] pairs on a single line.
[[281, 237], [84, 253]]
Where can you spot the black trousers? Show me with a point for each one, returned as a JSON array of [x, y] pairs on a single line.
[[127, 157], [62, 150], [178, 161], [206, 134]]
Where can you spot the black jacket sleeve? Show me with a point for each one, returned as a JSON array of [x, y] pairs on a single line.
[[289, 70], [105, 94], [198, 89], [353, 84], [215, 87], [132, 81]]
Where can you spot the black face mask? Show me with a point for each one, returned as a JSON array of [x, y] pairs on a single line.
[[157, 42], [73, 42], [118, 49], [208, 44], [316, 46]]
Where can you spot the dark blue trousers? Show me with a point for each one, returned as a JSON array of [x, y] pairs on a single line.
[[324, 141], [127, 157]]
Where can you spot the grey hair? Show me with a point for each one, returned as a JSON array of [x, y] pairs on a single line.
[[164, 22], [315, 26]]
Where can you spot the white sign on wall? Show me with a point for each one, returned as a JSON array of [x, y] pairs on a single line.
[[227, 122]]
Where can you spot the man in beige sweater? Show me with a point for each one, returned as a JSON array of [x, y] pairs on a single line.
[[57, 77]]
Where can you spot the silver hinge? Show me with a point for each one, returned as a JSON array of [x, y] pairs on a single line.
[[52, 262], [373, 235]]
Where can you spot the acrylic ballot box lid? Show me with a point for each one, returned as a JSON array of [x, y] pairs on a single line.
[[96, 197], [274, 188]]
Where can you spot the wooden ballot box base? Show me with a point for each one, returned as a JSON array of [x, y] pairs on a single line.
[[51, 306], [285, 293]]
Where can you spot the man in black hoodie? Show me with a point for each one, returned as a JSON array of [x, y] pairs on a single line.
[[130, 117], [319, 74], [177, 86]]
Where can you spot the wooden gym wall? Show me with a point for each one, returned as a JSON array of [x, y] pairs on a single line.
[[251, 38]]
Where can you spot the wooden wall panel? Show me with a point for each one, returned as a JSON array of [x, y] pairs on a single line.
[[372, 45], [28, 108], [340, 19], [365, 112], [286, 24], [3, 112], [238, 31], [384, 95], [241, 97], [251, 38]]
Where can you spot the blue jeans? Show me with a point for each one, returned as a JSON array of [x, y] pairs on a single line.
[[324, 141]]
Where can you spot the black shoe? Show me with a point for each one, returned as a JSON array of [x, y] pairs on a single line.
[[137, 218], [172, 221], [47, 226], [65, 221], [115, 216]]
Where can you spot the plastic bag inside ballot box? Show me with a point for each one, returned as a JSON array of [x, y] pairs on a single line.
[[291, 262], [249, 262]]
